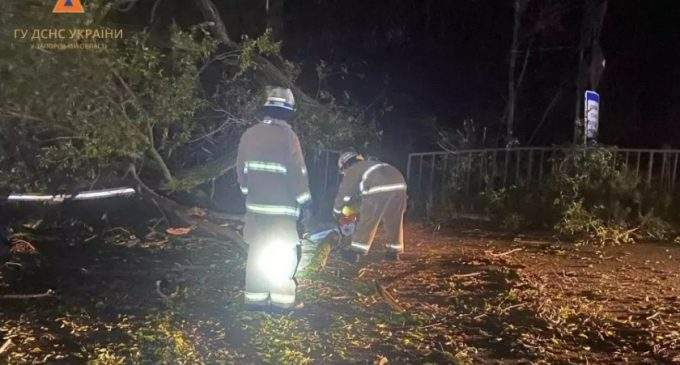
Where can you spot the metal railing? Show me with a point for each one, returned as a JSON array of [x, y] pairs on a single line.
[[437, 176], [323, 180]]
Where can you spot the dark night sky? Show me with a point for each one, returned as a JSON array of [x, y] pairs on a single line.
[[448, 59]]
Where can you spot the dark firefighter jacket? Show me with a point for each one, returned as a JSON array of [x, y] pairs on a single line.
[[271, 169], [366, 178]]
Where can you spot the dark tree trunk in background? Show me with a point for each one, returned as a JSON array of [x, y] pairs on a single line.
[[274, 10], [519, 6], [591, 59]]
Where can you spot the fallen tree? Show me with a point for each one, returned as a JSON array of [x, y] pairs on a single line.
[[172, 101], [180, 215]]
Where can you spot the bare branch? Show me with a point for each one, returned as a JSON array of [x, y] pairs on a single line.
[[48, 294]]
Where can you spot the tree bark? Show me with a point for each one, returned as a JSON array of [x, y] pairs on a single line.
[[274, 18], [589, 51], [177, 214], [156, 157], [519, 7]]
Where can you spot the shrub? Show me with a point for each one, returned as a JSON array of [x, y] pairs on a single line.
[[588, 197]]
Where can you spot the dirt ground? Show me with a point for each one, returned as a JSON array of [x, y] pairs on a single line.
[[461, 294]]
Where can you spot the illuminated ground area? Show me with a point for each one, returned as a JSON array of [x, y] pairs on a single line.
[[469, 296]]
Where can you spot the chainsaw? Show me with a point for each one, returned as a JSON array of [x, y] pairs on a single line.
[[344, 228]]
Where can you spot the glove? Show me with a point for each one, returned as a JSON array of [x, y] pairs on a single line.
[[347, 211]]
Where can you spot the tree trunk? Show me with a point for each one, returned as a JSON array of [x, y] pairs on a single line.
[[591, 60], [580, 87], [177, 214], [519, 6], [274, 18]]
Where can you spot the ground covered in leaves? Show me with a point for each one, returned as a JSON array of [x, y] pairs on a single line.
[[461, 295]]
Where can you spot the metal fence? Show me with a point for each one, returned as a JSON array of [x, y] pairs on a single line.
[[323, 180], [458, 177]]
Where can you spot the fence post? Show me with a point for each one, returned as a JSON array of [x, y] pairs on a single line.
[[540, 168], [665, 177], [649, 168], [675, 170], [482, 170], [519, 157], [468, 172], [420, 174], [445, 176], [494, 169], [531, 161], [505, 169], [408, 169], [420, 179], [430, 197]]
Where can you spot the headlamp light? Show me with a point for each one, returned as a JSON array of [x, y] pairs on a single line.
[[278, 261]]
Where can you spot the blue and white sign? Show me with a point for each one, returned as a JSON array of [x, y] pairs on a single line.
[[592, 114]]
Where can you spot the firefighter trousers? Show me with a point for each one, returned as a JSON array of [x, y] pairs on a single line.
[[385, 207], [272, 259]]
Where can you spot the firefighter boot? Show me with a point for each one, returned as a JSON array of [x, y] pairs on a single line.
[[257, 307], [351, 256], [392, 256]]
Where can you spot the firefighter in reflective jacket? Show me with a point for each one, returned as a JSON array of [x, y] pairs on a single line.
[[380, 191], [273, 176]]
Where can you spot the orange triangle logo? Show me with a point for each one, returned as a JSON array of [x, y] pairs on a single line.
[[68, 6]]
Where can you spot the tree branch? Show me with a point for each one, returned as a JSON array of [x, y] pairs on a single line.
[[48, 294], [550, 106], [157, 156], [520, 79], [266, 67], [177, 213]]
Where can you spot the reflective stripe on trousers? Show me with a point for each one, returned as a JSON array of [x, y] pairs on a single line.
[[357, 246], [273, 209], [256, 297], [282, 298], [395, 247]]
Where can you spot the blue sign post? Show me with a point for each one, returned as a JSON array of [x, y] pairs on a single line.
[[592, 116]]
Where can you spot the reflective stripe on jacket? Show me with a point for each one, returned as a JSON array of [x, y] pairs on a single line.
[[367, 178], [271, 169]]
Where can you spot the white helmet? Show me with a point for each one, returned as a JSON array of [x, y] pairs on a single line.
[[280, 97], [347, 157]]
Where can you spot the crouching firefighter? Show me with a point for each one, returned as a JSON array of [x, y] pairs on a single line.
[[379, 190], [273, 176]]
